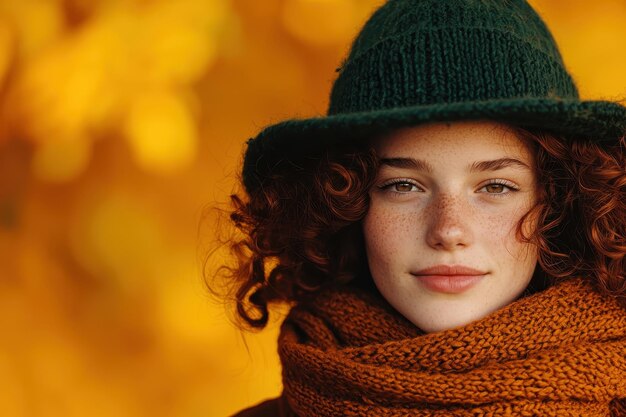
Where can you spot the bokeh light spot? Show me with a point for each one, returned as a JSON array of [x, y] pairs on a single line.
[[320, 22], [162, 132], [118, 236]]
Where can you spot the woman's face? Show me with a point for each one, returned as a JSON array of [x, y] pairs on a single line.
[[440, 232]]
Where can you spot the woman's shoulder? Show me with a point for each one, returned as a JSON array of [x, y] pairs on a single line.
[[274, 407]]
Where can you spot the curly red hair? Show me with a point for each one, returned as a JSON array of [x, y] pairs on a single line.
[[301, 230]]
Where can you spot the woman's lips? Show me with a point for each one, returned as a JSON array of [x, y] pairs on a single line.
[[449, 279]]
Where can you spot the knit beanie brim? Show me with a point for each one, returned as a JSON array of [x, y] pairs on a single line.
[[598, 121]]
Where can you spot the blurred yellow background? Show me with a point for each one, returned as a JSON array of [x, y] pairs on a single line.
[[121, 123]]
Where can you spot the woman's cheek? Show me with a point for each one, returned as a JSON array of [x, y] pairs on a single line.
[[390, 229], [503, 234]]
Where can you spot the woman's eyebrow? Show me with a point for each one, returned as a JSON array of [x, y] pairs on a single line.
[[478, 166], [407, 163], [497, 164]]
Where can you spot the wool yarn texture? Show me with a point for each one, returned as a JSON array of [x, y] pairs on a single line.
[[559, 352]]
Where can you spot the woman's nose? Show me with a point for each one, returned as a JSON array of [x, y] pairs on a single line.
[[448, 224]]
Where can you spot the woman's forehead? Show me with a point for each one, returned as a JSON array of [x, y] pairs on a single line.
[[459, 136]]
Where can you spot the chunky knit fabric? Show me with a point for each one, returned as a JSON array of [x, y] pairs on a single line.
[[417, 61], [560, 352]]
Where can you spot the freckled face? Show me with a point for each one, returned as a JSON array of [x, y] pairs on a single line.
[[450, 195]]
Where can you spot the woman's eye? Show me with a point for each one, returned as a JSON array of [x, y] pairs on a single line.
[[498, 188], [495, 188], [403, 187], [400, 187]]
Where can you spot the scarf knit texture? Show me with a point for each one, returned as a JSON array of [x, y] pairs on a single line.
[[559, 352]]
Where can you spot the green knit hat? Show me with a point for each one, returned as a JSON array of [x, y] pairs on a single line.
[[417, 61]]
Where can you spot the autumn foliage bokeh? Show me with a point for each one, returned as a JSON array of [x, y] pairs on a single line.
[[122, 123]]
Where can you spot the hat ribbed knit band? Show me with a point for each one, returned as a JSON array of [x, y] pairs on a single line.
[[448, 65]]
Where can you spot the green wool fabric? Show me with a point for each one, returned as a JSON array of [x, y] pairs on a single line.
[[417, 61]]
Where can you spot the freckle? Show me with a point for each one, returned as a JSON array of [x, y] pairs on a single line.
[[446, 204], [391, 225]]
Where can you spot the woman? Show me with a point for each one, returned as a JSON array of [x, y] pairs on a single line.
[[451, 236]]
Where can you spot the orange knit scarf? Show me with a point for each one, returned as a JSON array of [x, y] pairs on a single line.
[[560, 352]]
